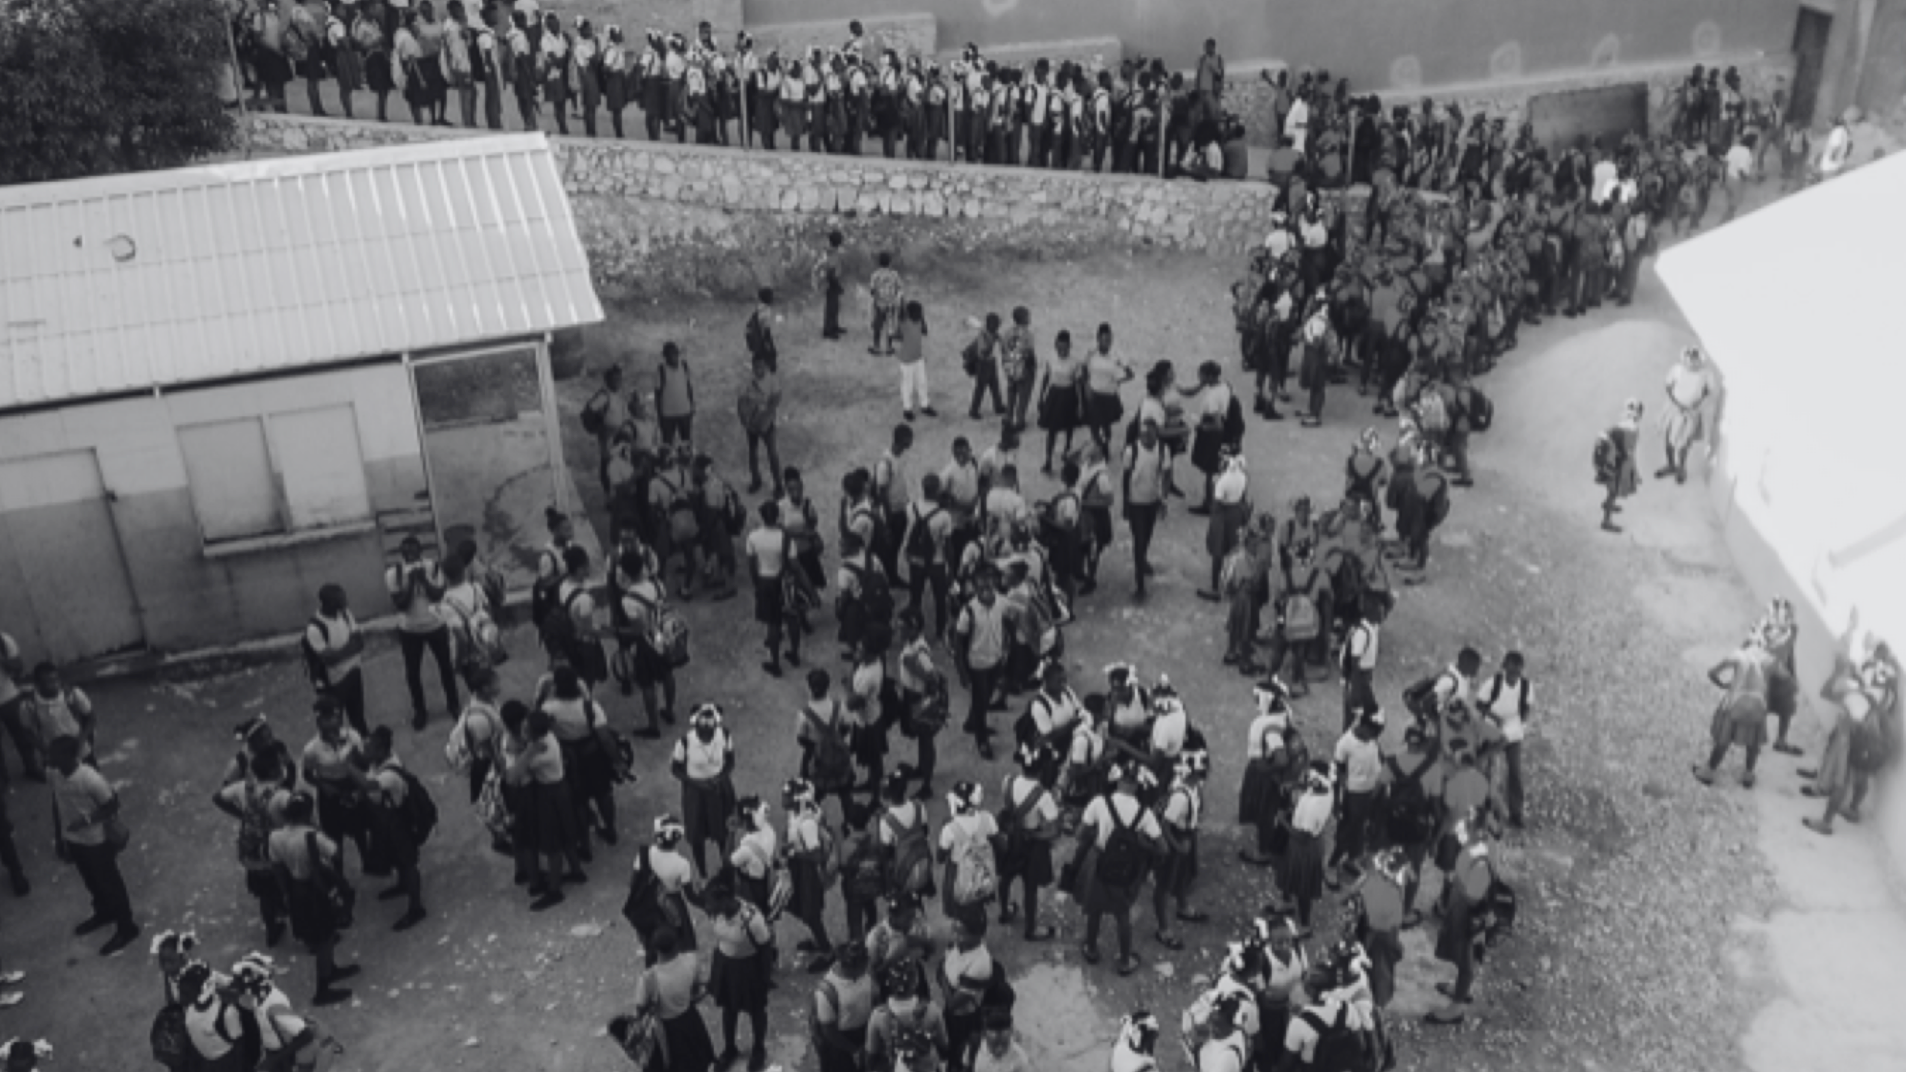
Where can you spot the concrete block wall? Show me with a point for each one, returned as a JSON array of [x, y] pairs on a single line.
[[905, 33]]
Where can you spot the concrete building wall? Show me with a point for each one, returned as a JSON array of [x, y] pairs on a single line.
[[1377, 44], [190, 594]]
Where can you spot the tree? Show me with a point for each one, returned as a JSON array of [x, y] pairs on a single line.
[[95, 86]]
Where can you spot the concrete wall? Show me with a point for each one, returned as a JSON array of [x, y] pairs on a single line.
[[189, 599], [1376, 43]]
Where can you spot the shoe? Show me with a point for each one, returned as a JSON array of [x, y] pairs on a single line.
[[121, 938], [728, 1057], [1169, 941], [1448, 990], [820, 962], [757, 1060], [11, 998], [1041, 934], [575, 878], [1786, 749], [1810, 791], [773, 669], [1128, 965], [1666, 470], [1196, 511], [794, 657], [972, 415], [330, 995], [1851, 815], [91, 924], [929, 411], [1747, 779], [1209, 596], [647, 733], [1702, 774], [1465, 482], [1090, 954], [874, 350], [418, 720], [908, 415], [1610, 526], [410, 919], [549, 899], [1193, 916], [754, 486], [805, 945], [1273, 416], [1249, 669], [1448, 1016]]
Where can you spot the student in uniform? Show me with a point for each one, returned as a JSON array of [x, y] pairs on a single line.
[[1506, 701], [807, 844], [309, 864], [1267, 770], [1227, 1049], [669, 988], [675, 397], [1359, 762], [390, 827], [215, 1022], [967, 826], [15, 683], [1146, 462], [1177, 868], [1031, 815], [415, 584], [674, 889], [907, 1012], [982, 637], [1109, 892], [704, 763], [52, 711], [1741, 717], [767, 548], [581, 731], [843, 1005], [1469, 882], [1381, 917], [257, 801], [1059, 386], [333, 638], [1135, 1049], [1302, 879], [738, 975], [332, 765], [84, 805]]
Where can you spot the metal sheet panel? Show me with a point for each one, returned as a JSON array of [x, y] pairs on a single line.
[[172, 277]]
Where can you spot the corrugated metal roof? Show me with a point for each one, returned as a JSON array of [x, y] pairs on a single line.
[[133, 281]]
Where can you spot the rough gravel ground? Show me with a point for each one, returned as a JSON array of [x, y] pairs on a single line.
[[1636, 882]]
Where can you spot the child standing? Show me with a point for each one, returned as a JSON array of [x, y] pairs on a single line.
[[913, 366]]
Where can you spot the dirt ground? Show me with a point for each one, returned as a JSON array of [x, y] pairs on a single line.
[[1651, 928]]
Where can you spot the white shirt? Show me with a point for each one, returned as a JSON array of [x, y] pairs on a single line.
[[1839, 146], [1231, 487], [1363, 762], [961, 829], [1363, 643], [1168, 733], [704, 761], [273, 1036], [1098, 815], [1605, 176], [1740, 162], [1296, 123], [1505, 702]]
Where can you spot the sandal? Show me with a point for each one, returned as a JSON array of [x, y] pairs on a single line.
[[1128, 965], [1041, 934], [1169, 941]]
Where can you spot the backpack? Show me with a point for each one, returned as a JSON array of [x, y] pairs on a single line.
[[760, 340], [862, 876], [832, 765], [920, 537], [671, 631], [254, 826], [478, 640], [314, 667], [1410, 821], [876, 594], [734, 516], [643, 906], [1339, 1046], [1012, 823], [929, 715], [1302, 622], [1482, 412], [1867, 747], [1418, 697], [975, 871], [557, 631], [886, 288], [594, 411], [912, 868], [420, 812], [171, 1042], [1432, 413], [1439, 504], [829, 853], [457, 47], [1123, 860], [1607, 456], [1495, 693], [457, 752]]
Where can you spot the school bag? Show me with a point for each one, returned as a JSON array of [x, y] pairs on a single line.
[[920, 537], [1012, 824], [1302, 622], [457, 751], [1495, 693], [1481, 411], [929, 714], [876, 594], [171, 1042], [734, 515], [863, 878], [420, 812], [682, 524], [912, 868], [760, 340], [314, 667], [1125, 857], [478, 640], [1607, 456], [1431, 413], [975, 871], [254, 826], [1867, 747], [594, 412], [831, 766], [645, 908], [671, 632], [1409, 820], [1340, 1047]]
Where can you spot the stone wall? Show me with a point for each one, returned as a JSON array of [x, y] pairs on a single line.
[[637, 17], [1247, 94], [905, 34], [659, 219]]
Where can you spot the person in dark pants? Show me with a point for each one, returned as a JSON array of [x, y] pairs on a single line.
[[390, 826], [13, 682], [1359, 760], [1144, 485], [415, 585], [253, 801], [1105, 888], [981, 358], [828, 275], [981, 638], [83, 806], [10, 855]]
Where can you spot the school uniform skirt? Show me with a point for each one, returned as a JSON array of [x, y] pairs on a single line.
[[1098, 524], [1261, 796], [273, 68], [1454, 943], [1102, 897], [810, 891], [1743, 723], [706, 807], [313, 919], [1385, 951], [738, 983], [1178, 870], [1303, 871], [868, 744], [1059, 410], [349, 69], [549, 819], [1034, 863], [687, 1042], [1104, 409], [586, 769]]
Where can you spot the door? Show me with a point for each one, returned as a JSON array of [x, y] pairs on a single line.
[[487, 455], [1810, 53], [59, 521]]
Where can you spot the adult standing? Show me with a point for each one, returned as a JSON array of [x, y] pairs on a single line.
[[1146, 462], [1687, 388], [982, 637], [257, 801], [1019, 366], [640, 600], [415, 584], [827, 276], [768, 551], [758, 407], [91, 833], [399, 842], [1210, 105], [981, 358]]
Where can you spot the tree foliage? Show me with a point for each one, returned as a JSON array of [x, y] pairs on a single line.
[[95, 86]]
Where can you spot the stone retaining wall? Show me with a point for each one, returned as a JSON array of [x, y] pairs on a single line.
[[906, 34], [660, 218]]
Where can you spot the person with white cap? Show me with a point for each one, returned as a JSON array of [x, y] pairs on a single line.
[[1268, 770]]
